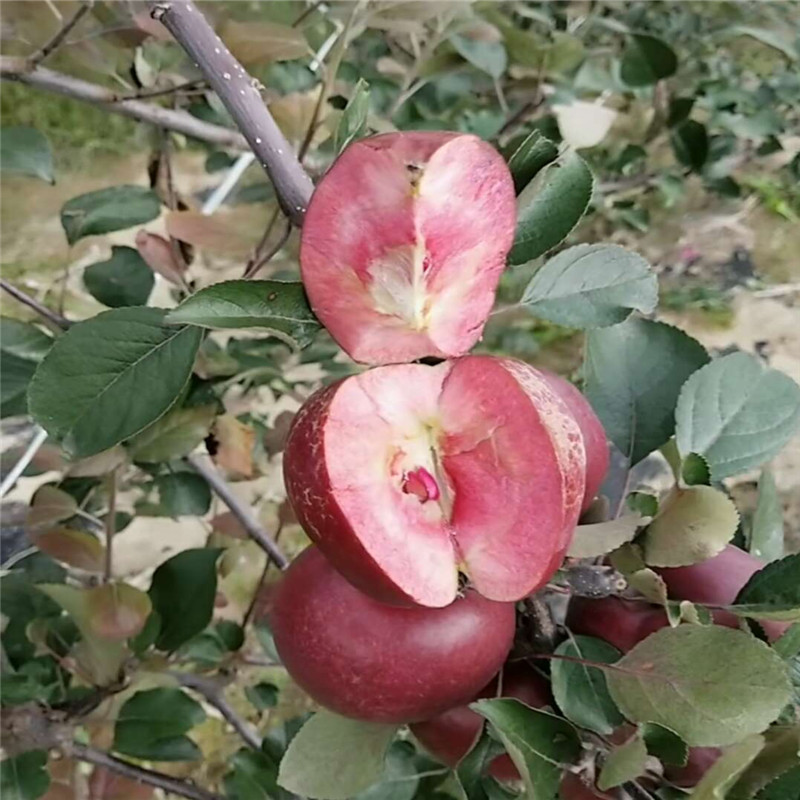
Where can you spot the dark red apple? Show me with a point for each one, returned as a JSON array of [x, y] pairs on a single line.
[[573, 788], [449, 736], [406, 474], [717, 581], [370, 661], [623, 623], [700, 760], [594, 437], [403, 244]]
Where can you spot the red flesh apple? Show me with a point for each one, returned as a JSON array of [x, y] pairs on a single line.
[[405, 474], [403, 244], [594, 437], [449, 736], [370, 661]]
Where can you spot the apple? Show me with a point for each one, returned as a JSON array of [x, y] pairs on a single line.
[[622, 623], [572, 787], [717, 581], [403, 244], [594, 436], [405, 474], [700, 760], [449, 736], [371, 661]]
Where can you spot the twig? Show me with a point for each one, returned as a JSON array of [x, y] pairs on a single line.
[[239, 510], [240, 95], [33, 447], [260, 261], [43, 311], [149, 93], [16, 69], [307, 13], [214, 694], [111, 524], [99, 758], [48, 47], [254, 599]]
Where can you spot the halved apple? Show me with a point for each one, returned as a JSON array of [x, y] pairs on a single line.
[[404, 242], [406, 475]]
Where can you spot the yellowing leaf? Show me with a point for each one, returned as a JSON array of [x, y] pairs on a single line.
[[117, 611], [48, 506], [235, 451], [79, 549], [263, 42]]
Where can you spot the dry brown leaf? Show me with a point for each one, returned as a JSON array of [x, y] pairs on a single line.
[[225, 232], [235, 449], [263, 42], [158, 254]]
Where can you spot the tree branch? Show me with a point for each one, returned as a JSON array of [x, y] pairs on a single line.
[[240, 95], [99, 758], [48, 47], [239, 510], [16, 69], [215, 696], [43, 311]]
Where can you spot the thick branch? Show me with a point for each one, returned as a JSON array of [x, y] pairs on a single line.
[[241, 96], [239, 510], [214, 694], [43, 311], [15, 69], [149, 777], [52, 44]]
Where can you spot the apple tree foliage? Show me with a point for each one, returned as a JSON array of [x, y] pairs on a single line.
[[174, 670]]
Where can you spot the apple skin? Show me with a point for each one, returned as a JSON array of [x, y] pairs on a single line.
[[718, 581], [404, 242], [503, 457], [450, 735], [573, 788], [594, 435], [622, 623], [380, 663], [700, 760]]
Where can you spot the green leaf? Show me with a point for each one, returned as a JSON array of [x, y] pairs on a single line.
[[736, 413], [353, 123], [399, 780], [580, 690], [539, 743], [724, 772], [320, 763], [664, 744], [26, 151], [694, 471], [214, 644], [712, 685], [773, 592], [253, 776], [592, 286], [107, 210], [110, 377], [766, 533], [123, 280], [692, 525], [472, 769], [774, 39], [634, 372], [488, 56], [690, 143], [784, 787], [174, 435], [550, 206], [534, 153], [778, 756], [279, 307], [624, 763], [152, 723], [24, 777], [183, 493], [599, 538], [646, 60], [262, 695], [182, 592], [789, 643], [23, 340], [22, 347]]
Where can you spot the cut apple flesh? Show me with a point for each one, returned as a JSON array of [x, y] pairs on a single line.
[[407, 474], [404, 242]]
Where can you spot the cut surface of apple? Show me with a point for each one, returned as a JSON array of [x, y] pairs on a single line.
[[404, 242], [407, 474], [368, 660]]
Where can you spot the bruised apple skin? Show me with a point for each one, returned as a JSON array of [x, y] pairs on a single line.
[[403, 244], [449, 736], [380, 663], [594, 435], [405, 475]]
